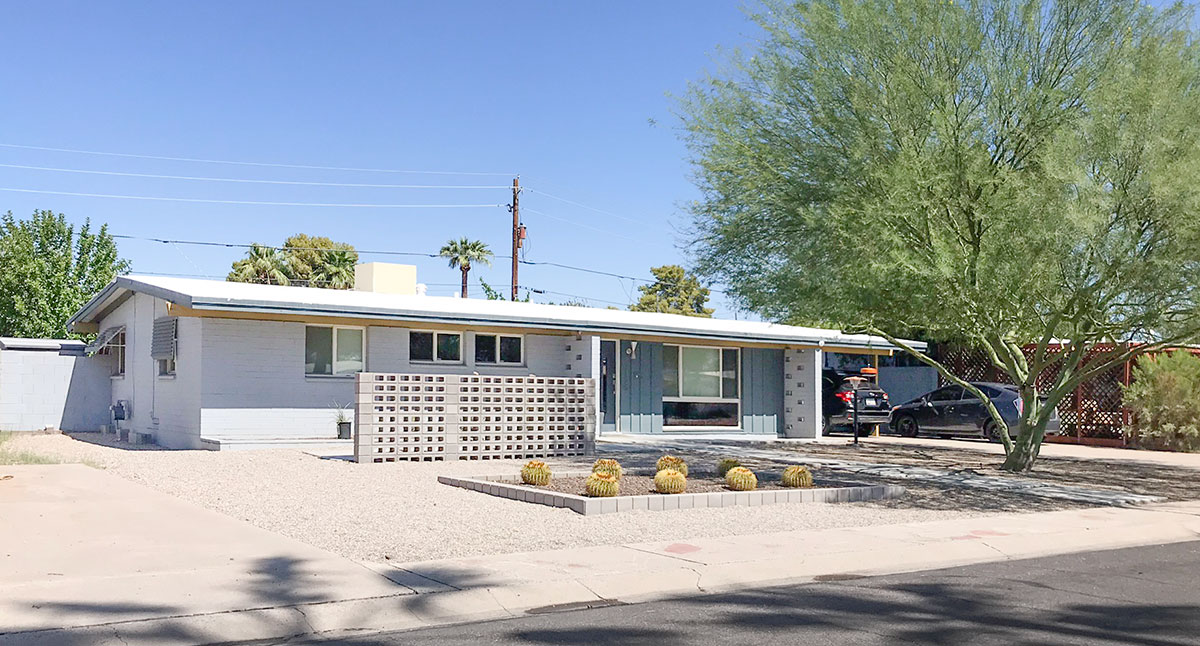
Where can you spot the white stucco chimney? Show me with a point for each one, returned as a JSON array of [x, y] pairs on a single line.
[[385, 278]]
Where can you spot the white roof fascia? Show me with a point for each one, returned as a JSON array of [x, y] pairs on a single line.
[[211, 295]]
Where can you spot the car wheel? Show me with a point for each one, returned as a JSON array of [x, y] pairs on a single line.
[[991, 432], [907, 426]]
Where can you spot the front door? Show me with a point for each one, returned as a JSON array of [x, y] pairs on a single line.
[[608, 386], [938, 414]]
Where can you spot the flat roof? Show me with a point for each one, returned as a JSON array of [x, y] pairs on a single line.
[[13, 343], [223, 296]]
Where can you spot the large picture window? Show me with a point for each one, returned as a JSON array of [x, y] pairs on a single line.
[[700, 386], [498, 348], [333, 350], [435, 346]]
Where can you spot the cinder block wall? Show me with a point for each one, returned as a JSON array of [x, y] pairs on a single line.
[[58, 388]]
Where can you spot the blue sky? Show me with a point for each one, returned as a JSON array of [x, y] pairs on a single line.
[[564, 93]]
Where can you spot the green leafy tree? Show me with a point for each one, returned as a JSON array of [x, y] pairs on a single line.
[[674, 291], [1018, 176], [48, 271], [489, 292], [303, 260], [319, 261], [462, 253], [263, 265]]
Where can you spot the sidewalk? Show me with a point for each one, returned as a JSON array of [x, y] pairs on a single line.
[[1053, 450], [198, 577]]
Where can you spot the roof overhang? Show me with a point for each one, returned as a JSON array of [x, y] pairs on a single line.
[[535, 318]]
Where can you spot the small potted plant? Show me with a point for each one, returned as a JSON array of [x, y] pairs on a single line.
[[343, 421]]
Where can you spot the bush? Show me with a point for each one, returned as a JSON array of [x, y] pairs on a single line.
[[1164, 399], [725, 465], [535, 472]]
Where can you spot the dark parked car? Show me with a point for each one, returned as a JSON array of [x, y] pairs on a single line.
[[953, 411], [838, 402]]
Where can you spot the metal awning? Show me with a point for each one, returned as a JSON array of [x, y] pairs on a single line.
[[104, 339]]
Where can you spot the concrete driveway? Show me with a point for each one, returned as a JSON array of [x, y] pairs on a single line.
[[82, 548]]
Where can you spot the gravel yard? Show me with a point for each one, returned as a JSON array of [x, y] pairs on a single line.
[[399, 512]]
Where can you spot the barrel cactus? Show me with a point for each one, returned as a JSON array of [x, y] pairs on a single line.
[[602, 485], [535, 472], [609, 466], [725, 465], [671, 462], [670, 481], [741, 479], [797, 476]]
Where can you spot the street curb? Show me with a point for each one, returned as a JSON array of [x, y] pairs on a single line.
[[865, 551]]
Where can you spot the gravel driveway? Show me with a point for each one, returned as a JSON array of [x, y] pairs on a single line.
[[399, 512]]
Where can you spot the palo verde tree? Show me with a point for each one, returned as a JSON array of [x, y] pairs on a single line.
[[674, 291], [48, 270], [462, 253], [1019, 176]]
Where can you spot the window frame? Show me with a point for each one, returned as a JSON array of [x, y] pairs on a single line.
[[161, 367], [462, 350], [333, 341], [681, 398], [118, 371], [498, 361]]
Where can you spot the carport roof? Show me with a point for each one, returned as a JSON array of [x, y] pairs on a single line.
[[221, 296]]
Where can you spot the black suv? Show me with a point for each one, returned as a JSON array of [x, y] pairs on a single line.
[[837, 404], [951, 410]]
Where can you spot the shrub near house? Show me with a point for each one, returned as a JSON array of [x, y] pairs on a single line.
[[1164, 400]]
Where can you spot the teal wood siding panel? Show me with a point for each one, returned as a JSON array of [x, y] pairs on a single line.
[[762, 390], [640, 382]]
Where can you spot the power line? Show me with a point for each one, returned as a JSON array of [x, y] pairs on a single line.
[[585, 226], [249, 163], [585, 206], [245, 181], [237, 245], [255, 203]]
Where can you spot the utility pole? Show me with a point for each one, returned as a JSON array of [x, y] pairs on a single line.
[[518, 232]]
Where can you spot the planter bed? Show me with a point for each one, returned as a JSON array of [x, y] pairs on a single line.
[[704, 491]]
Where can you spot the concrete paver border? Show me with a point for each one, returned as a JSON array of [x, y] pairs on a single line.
[[509, 487]]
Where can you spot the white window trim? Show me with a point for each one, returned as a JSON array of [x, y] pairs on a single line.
[[108, 350], [707, 400], [498, 362], [721, 354], [333, 348], [462, 350]]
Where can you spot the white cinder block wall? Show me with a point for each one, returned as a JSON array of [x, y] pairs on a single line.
[[253, 383], [57, 388]]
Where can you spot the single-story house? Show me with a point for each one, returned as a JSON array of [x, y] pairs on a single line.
[[214, 364]]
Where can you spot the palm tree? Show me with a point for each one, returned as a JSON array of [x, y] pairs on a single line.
[[263, 265], [461, 253], [336, 270]]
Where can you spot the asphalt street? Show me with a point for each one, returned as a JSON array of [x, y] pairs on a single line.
[[1147, 595]]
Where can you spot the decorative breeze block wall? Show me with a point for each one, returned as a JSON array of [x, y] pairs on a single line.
[[419, 417], [802, 393]]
